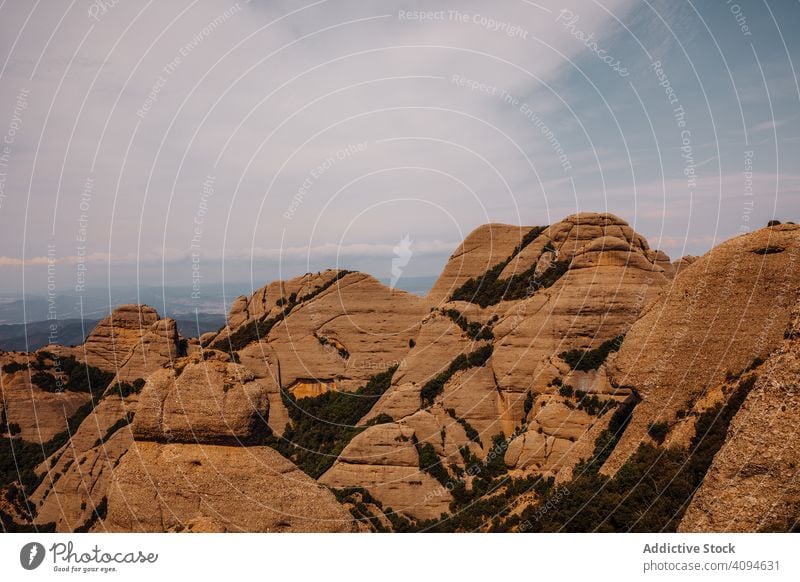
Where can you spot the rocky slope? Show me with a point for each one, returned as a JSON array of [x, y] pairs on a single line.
[[190, 454], [483, 248], [723, 313], [567, 357], [524, 389], [754, 481]]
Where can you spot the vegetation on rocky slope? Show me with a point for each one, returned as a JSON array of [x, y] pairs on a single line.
[[648, 494], [259, 329], [323, 425], [489, 289], [586, 360], [19, 458], [435, 386]]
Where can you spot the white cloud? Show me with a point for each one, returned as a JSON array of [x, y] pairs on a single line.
[[295, 253], [274, 90]]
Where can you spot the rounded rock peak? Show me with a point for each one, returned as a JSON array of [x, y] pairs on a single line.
[[605, 243], [132, 315], [595, 219]]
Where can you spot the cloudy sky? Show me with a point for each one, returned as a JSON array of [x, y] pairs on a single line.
[[244, 141]]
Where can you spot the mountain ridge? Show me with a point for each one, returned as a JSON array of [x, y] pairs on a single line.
[[542, 358]]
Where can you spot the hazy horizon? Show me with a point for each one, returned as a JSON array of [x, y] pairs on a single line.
[[199, 143]]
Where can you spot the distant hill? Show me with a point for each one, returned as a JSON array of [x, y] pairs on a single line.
[[72, 332]]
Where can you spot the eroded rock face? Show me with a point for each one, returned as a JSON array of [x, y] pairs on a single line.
[[202, 402], [338, 335], [159, 345], [438, 343], [752, 484], [682, 263], [573, 234], [727, 309], [37, 414], [110, 342], [612, 276], [80, 471], [485, 247], [609, 282], [269, 300], [189, 487], [197, 462], [132, 342], [384, 460]]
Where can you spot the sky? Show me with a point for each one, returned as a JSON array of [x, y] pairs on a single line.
[[186, 143]]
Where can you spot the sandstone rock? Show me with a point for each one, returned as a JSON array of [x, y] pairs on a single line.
[[384, 460], [559, 421], [608, 284], [753, 484], [108, 345], [406, 490], [132, 342], [270, 300], [80, 472], [159, 345], [682, 263], [438, 343], [202, 402], [485, 247], [662, 260], [189, 487], [724, 311], [40, 415], [472, 394], [572, 234], [343, 335], [382, 444], [610, 280]]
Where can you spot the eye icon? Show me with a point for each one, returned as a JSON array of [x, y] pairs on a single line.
[[31, 555]]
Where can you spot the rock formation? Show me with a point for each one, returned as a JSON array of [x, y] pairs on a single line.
[[330, 402], [483, 248], [754, 481], [132, 342], [725, 311], [212, 488], [610, 275], [35, 414]]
